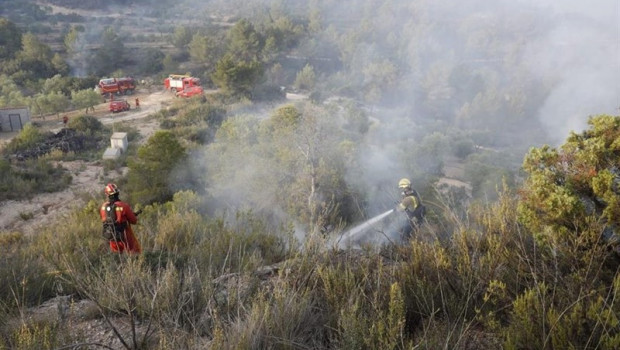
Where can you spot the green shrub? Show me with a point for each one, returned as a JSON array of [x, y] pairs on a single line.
[[155, 160], [28, 137], [25, 277], [198, 113], [25, 179], [266, 92], [306, 78], [528, 328], [26, 216], [86, 124], [568, 188], [486, 172], [114, 164], [462, 148], [167, 124]]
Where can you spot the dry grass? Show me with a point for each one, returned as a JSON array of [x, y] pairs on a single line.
[[486, 287]]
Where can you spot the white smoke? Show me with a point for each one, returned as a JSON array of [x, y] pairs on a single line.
[[453, 57], [580, 57]]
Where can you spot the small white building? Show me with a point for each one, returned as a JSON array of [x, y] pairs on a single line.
[[14, 119], [119, 140], [118, 146]]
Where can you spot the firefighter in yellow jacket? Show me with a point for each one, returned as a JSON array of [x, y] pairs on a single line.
[[411, 204]]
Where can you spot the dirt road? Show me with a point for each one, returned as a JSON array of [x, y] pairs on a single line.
[[150, 102]]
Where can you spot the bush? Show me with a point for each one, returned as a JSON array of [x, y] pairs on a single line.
[[86, 124], [199, 113], [486, 172], [167, 124], [198, 135], [155, 160], [268, 93], [28, 178], [28, 137], [26, 281], [305, 79], [463, 148], [166, 112]]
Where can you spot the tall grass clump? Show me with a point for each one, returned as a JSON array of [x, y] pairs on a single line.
[[170, 292], [26, 282]]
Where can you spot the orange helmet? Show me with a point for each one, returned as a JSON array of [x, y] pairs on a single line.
[[111, 189]]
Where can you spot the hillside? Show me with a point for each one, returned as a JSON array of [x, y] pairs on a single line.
[[207, 283], [87, 176], [268, 204]]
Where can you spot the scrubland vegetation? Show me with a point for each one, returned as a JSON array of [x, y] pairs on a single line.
[[538, 268], [238, 188]]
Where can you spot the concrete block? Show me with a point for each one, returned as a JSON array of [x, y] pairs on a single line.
[[112, 153]]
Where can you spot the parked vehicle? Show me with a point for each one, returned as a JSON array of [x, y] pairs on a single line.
[[117, 86], [178, 83], [190, 91], [119, 106]]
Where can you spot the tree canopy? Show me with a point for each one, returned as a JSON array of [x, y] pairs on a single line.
[[295, 160], [237, 78], [10, 39], [110, 55], [87, 99], [150, 172], [244, 42]]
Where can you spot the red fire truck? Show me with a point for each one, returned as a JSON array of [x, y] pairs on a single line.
[[118, 86], [178, 83]]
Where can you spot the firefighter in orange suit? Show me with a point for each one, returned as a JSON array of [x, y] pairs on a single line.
[[124, 215]]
